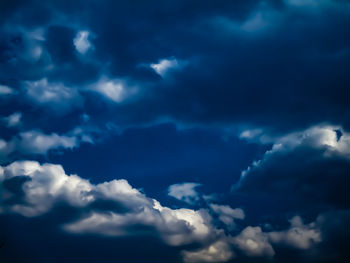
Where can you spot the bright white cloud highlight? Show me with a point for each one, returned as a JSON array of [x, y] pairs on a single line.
[[48, 184], [116, 90], [82, 42], [164, 65]]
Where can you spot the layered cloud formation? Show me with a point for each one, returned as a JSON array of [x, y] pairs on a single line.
[[200, 131], [42, 187]]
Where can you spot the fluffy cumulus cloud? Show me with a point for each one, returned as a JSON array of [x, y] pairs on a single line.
[[46, 186], [185, 192]]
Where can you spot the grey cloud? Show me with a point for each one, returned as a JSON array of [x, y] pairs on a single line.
[[254, 242], [185, 192], [48, 185], [5, 90], [219, 251], [13, 120], [226, 214], [55, 96], [299, 235]]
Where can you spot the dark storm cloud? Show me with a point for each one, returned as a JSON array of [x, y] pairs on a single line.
[[278, 64]]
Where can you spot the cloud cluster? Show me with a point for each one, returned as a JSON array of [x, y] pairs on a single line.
[[218, 47], [45, 186], [300, 162], [48, 184], [273, 70]]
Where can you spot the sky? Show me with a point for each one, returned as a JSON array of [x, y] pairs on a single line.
[[175, 131]]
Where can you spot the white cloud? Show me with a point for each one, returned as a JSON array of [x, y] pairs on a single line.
[[82, 42], [322, 137], [116, 90], [175, 227], [254, 243], [37, 142], [299, 235], [185, 192], [48, 185], [52, 95], [227, 214], [5, 90], [164, 65], [220, 251], [13, 120]]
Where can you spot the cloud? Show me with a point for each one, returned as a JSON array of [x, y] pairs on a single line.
[[134, 214], [306, 159], [115, 90], [227, 214], [37, 142], [13, 120], [56, 96], [189, 97], [254, 242], [5, 90], [82, 42], [49, 185], [277, 66], [164, 65], [299, 235], [184, 192], [220, 251]]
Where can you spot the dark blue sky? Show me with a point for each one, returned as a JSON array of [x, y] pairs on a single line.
[[174, 131]]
